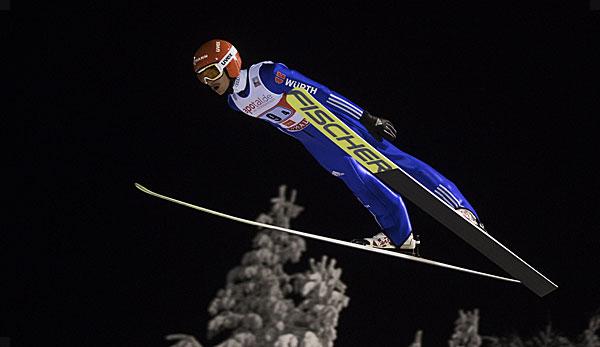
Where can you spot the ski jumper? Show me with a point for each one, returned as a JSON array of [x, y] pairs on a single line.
[[260, 93]]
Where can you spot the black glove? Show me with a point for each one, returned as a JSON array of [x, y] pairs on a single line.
[[378, 127]]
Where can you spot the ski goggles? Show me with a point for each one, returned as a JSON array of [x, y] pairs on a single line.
[[214, 71]]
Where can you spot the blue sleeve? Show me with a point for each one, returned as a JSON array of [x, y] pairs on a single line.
[[279, 79]]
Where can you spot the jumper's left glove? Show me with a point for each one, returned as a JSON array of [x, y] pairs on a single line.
[[378, 127]]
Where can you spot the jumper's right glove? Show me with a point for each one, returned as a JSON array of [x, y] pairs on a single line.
[[378, 127]]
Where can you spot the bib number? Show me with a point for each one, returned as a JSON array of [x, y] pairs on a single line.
[[278, 114]]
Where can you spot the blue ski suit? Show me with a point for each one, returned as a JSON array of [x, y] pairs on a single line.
[[260, 92]]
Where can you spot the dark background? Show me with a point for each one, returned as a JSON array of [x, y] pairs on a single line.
[[498, 98]]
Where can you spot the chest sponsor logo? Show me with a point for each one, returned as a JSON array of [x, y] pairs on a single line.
[[293, 83], [338, 132], [257, 103], [303, 124], [256, 81]]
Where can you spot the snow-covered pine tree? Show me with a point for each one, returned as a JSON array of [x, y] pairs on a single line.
[[262, 305], [418, 339], [550, 338], [589, 337], [466, 330]]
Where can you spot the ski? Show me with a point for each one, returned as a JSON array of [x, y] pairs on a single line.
[[401, 182], [323, 238]]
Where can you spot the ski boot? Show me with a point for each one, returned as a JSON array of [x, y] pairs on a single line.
[[410, 246]]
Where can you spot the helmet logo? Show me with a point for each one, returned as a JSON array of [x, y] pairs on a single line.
[[218, 46], [226, 60], [198, 59]]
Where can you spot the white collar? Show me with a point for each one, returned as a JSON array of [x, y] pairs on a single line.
[[240, 82]]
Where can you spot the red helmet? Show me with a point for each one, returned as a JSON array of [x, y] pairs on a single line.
[[214, 57]]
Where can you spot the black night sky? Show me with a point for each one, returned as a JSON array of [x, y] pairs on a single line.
[[497, 98]]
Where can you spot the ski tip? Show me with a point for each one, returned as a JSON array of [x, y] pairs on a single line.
[[139, 186]]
